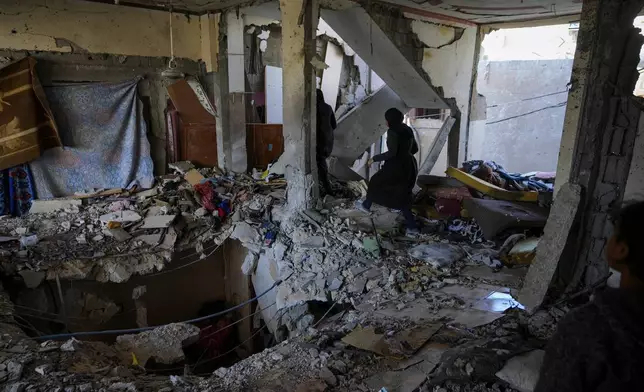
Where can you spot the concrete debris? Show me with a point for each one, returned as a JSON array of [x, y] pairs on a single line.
[[113, 235], [164, 344], [357, 309], [52, 205], [250, 262], [71, 345], [158, 221], [120, 217], [522, 371]]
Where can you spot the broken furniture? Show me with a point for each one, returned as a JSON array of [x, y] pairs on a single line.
[[195, 137]]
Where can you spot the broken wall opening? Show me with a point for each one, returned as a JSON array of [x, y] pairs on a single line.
[[189, 288], [520, 96]]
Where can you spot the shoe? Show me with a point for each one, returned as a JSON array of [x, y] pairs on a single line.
[[360, 207], [412, 233]]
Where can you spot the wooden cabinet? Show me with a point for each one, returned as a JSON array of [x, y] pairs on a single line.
[[264, 144]]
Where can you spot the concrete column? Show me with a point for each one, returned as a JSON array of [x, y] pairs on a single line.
[[235, 130], [597, 146], [299, 24]]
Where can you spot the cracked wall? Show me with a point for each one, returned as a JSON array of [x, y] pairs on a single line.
[[66, 26], [262, 47], [444, 54]]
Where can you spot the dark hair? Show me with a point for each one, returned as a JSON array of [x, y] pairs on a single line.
[[394, 116], [628, 229]]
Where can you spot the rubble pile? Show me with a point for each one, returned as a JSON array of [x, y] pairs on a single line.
[[366, 307], [111, 235]]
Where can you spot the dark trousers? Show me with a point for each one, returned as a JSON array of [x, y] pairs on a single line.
[[410, 221], [323, 173]]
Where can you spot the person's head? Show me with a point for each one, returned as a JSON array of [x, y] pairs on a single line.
[[625, 248], [394, 117], [319, 95]]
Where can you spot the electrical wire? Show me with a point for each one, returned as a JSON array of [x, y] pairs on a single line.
[[558, 105], [143, 329]]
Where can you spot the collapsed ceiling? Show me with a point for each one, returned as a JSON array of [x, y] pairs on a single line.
[[477, 11]]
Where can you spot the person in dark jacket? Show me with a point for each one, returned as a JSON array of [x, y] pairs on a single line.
[[326, 124], [599, 347], [393, 184]]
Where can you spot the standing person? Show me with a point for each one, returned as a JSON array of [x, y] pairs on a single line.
[[392, 186], [326, 124], [599, 347]]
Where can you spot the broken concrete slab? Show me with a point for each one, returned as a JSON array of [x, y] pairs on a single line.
[[495, 216], [158, 221], [367, 339], [51, 205], [505, 276], [245, 233], [551, 246], [426, 359], [522, 371], [164, 343], [150, 239]]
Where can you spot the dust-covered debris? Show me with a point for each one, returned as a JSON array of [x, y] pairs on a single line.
[[163, 344]]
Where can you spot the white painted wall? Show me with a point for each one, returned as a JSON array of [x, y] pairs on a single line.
[[331, 77], [235, 37], [274, 95], [450, 65]]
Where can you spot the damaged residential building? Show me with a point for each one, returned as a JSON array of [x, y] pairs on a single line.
[[163, 224]]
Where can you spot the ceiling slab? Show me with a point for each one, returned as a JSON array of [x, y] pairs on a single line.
[[491, 11], [189, 6]]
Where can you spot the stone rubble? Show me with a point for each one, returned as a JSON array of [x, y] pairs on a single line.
[[113, 235], [433, 328]]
